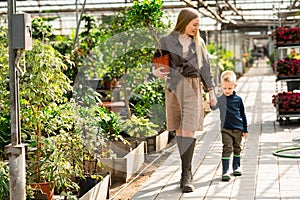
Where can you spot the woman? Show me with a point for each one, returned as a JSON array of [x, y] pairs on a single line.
[[184, 104]]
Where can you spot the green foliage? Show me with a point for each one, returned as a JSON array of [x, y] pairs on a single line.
[[4, 180], [43, 86], [225, 59], [111, 124], [40, 29], [148, 100], [60, 161], [47, 119], [4, 91], [140, 127], [4, 132], [146, 95], [127, 45], [4, 71], [146, 13]]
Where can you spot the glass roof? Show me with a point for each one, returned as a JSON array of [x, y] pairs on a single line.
[[228, 13]]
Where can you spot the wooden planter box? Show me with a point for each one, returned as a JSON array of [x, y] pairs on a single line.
[[125, 161], [122, 168], [154, 143], [100, 191]]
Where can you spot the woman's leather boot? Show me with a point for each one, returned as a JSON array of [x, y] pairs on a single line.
[[186, 147]]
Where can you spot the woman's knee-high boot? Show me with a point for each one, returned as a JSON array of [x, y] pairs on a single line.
[[186, 147]]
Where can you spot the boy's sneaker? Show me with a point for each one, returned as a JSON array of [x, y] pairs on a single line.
[[237, 172], [226, 177]]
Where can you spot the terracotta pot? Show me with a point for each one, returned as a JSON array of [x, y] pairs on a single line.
[[281, 75], [107, 84], [45, 188], [162, 61], [280, 42]]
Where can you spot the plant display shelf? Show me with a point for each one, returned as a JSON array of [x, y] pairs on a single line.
[[287, 45], [281, 116], [288, 78], [287, 114]]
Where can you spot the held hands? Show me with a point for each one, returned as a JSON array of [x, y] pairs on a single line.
[[244, 134], [212, 98], [158, 73]]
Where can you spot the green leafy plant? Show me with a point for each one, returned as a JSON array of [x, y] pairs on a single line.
[[46, 117], [148, 13], [111, 124], [4, 180], [4, 91], [41, 30], [224, 57], [140, 127], [148, 100], [4, 133]]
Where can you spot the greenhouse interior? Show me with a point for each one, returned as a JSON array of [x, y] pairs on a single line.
[[81, 109]]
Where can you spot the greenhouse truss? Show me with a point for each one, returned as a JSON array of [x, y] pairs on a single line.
[[218, 14]]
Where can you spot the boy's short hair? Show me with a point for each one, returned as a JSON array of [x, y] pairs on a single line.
[[229, 76]]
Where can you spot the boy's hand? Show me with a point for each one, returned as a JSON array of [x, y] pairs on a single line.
[[244, 134]]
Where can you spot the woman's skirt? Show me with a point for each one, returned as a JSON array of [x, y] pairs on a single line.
[[184, 105]]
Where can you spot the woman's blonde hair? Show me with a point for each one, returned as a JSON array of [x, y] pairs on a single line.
[[185, 16]]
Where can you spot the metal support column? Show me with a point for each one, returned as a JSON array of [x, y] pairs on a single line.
[[15, 150], [216, 41]]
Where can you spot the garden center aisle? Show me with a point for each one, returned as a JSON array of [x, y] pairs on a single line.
[[264, 176]]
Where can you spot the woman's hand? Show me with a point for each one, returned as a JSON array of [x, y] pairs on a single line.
[[158, 73], [212, 98]]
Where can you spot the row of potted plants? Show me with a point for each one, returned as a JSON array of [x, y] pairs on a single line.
[[288, 67], [287, 101], [61, 119], [287, 35]]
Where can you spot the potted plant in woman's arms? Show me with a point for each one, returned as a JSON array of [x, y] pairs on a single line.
[[149, 13]]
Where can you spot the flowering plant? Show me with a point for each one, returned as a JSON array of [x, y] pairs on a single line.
[[281, 66], [280, 34], [288, 66], [295, 32], [287, 100], [287, 34]]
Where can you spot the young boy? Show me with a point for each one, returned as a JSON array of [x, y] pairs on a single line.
[[233, 123]]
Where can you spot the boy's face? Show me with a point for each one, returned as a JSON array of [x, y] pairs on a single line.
[[228, 87]]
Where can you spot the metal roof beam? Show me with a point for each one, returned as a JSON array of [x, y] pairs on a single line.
[[293, 5], [232, 7]]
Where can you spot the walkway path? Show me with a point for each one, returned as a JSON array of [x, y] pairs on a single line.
[[264, 176]]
